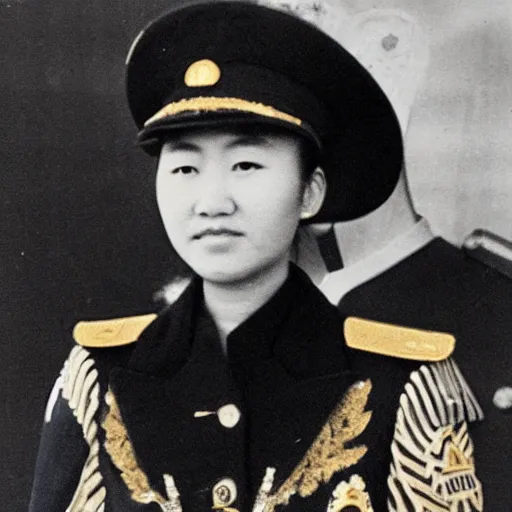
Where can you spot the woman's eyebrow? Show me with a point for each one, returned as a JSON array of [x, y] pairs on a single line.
[[182, 145], [249, 140]]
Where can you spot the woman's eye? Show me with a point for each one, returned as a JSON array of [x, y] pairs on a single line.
[[184, 169], [246, 166]]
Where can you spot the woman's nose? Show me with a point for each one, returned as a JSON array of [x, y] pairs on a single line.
[[214, 197]]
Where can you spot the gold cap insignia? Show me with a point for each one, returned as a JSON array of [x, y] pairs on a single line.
[[397, 341], [111, 333], [202, 73], [351, 494]]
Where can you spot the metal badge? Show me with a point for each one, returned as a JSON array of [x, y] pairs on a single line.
[[224, 493], [202, 73], [350, 494]]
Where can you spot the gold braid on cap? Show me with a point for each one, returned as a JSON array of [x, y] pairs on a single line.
[[213, 104]]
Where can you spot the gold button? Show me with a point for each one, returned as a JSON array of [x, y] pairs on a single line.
[[202, 73], [229, 415], [224, 493]]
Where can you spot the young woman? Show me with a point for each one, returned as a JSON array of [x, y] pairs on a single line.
[[242, 395]]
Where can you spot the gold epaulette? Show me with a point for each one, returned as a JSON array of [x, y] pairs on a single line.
[[396, 341], [111, 333]]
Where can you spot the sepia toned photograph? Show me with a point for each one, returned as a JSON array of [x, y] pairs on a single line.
[[256, 256]]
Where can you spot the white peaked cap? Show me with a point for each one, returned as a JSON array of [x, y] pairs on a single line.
[[394, 49], [389, 43], [328, 15]]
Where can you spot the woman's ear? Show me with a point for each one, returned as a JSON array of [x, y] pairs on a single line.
[[314, 194]]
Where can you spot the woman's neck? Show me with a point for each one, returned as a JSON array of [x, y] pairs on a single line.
[[230, 304]]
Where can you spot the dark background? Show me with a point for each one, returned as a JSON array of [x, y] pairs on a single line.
[[80, 236]]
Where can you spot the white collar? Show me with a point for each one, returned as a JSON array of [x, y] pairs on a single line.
[[337, 284]]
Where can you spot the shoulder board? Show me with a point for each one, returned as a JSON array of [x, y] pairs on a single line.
[[111, 333], [396, 341]]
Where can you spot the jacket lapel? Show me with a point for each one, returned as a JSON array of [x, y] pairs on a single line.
[[168, 396], [293, 394], [173, 431]]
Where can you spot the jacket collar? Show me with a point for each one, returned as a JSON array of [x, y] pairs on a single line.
[[166, 344], [289, 358], [282, 328]]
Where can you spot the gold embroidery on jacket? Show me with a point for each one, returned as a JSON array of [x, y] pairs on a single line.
[[328, 454], [121, 452]]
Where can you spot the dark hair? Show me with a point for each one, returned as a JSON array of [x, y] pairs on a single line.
[[309, 157]]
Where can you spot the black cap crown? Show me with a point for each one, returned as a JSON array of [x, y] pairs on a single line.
[[237, 62]]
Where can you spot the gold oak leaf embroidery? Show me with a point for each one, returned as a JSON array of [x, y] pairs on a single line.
[[328, 453], [120, 449]]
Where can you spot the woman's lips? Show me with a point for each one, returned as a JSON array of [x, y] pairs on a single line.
[[216, 232]]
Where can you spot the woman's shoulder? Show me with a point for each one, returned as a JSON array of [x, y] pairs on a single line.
[[397, 341], [100, 345], [112, 332], [107, 333]]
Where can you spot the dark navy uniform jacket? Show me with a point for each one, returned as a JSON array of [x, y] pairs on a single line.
[[438, 287], [290, 420]]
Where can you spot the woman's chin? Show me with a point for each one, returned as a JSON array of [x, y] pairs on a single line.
[[221, 274], [238, 276]]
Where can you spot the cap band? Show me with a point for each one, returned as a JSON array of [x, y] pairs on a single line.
[[213, 103]]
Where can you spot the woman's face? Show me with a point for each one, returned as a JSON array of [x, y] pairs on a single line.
[[230, 202]]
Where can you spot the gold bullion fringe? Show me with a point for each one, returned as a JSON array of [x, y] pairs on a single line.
[[80, 388]]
